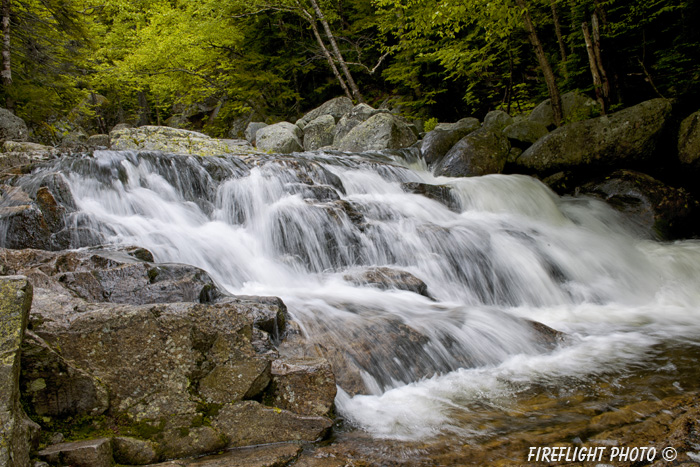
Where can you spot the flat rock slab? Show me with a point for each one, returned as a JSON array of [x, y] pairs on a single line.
[[90, 453], [262, 456]]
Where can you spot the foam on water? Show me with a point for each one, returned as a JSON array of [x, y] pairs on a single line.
[[515, 252]]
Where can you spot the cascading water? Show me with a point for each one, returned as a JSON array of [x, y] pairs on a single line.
[[497, 254]]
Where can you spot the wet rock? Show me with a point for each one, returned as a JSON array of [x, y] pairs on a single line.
[[575, 107], [497, 120], [259, 456], [90, 453], [524, 133], [662, 211], [25, 227], [689, 141], [132, 451], [479, 153], [249, 423], [438, 142], [184, 442], [381, 131], [440, 193], [17, 430], [319, 132], [267, 313], [625, 137], [305, 386], [387, 278], [280, 138], [335, 108], [358, 114], [173, 140], [252, 129], [12, 127]]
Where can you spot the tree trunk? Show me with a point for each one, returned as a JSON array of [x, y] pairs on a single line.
[[557, 30], [326, 53], [598, 52], [597, 81], [334, 45], [6, 66], [544, 63], [145, 114]]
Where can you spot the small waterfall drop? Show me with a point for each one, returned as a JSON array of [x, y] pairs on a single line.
[[338, 237]]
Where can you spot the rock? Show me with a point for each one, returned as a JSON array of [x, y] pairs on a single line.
[[121, 126], [23, 222], [185, 441], [661, 211], [90, 453], [249, 423], [387, 278], [625, 137], [260, 456], [336, 108], [689, 141], [16, 430], [76, 137], [438, 142], [319, 132], [575, 107], [381, 131], [524, 133], [358, 114], [24, 146], [497, 120], [252, 129], [98, 141], [305, 386], [132, 451], [12, 127], [469, 122], [280, 138], [173, 140], [479, 153], [440, 193]]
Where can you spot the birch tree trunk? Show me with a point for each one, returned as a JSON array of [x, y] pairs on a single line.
[[6, 73]]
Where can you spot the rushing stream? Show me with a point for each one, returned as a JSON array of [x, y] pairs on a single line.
[[498, 253]]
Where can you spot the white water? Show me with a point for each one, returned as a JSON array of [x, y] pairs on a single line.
[[515, 251]]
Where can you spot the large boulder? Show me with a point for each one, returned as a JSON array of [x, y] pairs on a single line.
[[575, 107], [30, 222], [90, 453], [525, 133], [358, 114], [173, 140], [319, 132], [689, 141], [625, 137], [479, 153], [659, 210], [303, 385], [12, 127], [15, 428], [381, 131], [336, 108], [438, 142], [252, 129], [497, 120], [280, 138]]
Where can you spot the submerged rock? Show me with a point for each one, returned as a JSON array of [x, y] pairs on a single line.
[[388, 278], [440, 193]]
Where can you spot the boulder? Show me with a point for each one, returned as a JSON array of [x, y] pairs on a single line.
[[173, 140], [132, 451], [319, 132], [440, 193], [463, 122], [479, 153], [524, 133], [625, 137], [381, 131], [358, 114], [23, 222], [98, 141], [438, 142], [305, 386], [336, 108], [575, 107], [252, 129], [16, 430], [90, 453], [280, 138], [689, 141], [258, 456], [24, 146], [387, 278], [659, 210], [497, 120], [12, 127]]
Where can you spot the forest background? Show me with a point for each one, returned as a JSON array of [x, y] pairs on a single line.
[[218, 63]]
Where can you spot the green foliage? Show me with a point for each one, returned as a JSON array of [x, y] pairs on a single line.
[[430, 124]]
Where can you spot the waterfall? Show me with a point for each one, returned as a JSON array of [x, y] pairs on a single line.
[[339, 237]]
